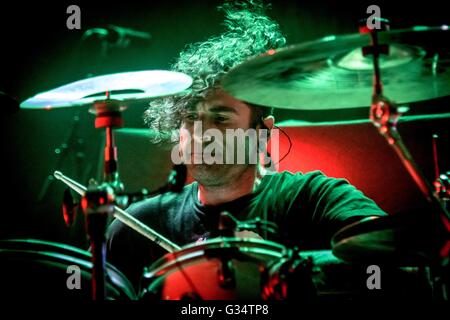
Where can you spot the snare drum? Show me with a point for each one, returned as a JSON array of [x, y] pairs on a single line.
[[217, 269], [36, 269]]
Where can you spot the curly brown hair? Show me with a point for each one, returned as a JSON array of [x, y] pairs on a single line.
[[249, 32]]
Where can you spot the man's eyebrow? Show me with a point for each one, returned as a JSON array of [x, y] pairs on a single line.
[[223, 109]]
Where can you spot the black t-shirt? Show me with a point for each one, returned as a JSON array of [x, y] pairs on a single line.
[[307, 208]]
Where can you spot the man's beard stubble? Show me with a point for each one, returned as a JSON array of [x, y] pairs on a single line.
[[217, 175]]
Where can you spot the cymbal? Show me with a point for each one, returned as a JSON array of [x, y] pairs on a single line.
[[130, 86], [398, 239], [331, 73]]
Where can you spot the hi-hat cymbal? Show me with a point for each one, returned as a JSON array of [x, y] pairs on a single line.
[[331, 73], [399, 239], [129, 86]]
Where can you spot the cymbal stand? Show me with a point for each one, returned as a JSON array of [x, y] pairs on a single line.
[[384, 114], [442, 190], [99, 201], [442, 182]]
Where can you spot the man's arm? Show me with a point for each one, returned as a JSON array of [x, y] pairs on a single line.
[[325, 205]]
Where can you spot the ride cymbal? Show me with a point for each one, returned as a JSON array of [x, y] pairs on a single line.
[[331, 73]]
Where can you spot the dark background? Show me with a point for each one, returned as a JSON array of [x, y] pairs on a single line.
[[39, 53]]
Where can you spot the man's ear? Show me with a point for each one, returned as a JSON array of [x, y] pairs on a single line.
[[268, 122]]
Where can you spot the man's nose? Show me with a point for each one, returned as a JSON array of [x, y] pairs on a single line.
[[202, 139], [200, 134]]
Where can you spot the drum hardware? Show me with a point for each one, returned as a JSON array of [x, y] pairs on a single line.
[[384, 115], [290, 271], [290, 278], [123, 216], [175, 183], [36, 269], [240, 261], [440, 278], [441, 183], [69, 207], [228, 225], [98, 204], [336, 73], [269, 271], [99, 201], [260, 226], [226, 274]]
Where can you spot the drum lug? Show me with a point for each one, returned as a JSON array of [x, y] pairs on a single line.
[[226, 274]]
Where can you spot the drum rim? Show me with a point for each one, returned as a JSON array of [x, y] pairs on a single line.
[[49, 244], [68, 254], [193, 251]]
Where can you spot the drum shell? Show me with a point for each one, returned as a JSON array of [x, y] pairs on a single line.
[[36, 269], [194, 272]]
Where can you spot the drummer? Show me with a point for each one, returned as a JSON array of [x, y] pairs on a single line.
[[307, 208]]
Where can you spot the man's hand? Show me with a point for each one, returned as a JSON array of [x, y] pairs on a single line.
[[247, 234]]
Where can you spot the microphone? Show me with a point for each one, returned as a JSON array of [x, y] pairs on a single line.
[[117, 36]]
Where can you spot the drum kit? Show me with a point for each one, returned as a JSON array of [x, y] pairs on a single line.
[[328, 74]]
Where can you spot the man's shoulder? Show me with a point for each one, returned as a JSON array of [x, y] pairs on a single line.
[[160, 203], [290, 185], [286, 177], [153, 210]]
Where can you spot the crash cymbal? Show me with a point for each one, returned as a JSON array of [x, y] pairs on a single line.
[[398, 239], [331, 73], [129, 86]]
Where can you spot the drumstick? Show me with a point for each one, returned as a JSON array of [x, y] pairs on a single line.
[[123, 216]]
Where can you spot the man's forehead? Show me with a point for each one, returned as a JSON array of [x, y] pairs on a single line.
[[220, 102]]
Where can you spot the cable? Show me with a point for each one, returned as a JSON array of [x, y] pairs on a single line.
[[290, 145]]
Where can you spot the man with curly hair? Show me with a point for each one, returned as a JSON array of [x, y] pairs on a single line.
[[306, 208]]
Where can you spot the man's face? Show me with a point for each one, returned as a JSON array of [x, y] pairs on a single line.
[[218, 111]]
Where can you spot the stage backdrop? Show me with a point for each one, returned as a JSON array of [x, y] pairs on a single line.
[[353, 150]]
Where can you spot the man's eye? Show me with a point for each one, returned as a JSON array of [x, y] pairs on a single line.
[[191, 117], [220, 119]]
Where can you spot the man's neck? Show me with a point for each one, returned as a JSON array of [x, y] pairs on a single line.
[[242, 186]]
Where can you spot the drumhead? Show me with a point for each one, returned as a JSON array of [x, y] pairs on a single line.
[[250, 247]]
